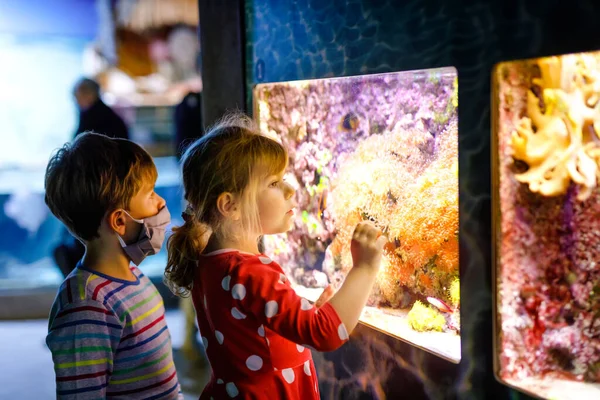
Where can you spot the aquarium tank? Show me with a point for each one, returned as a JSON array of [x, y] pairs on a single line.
[[384, 148], [547, 220]]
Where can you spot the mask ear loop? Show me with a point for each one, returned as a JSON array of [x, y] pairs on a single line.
[[139, 221]]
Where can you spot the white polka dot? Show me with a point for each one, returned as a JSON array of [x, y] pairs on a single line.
[[271, 308], [265, 260], [220, 381], [225, 282], [342, 332], [288, 375], [268, 343], [232, 391], [219, 337], [305, 304], [261, 331], [237, 314], [205, 342], [254, 363], [275, 369], [238, 291], [282, 278], [307, 368], [316, 390], [300, 348]]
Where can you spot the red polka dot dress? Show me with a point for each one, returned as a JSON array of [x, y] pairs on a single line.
[[257, 330]]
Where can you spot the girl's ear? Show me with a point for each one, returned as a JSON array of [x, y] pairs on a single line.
[[228, 206]]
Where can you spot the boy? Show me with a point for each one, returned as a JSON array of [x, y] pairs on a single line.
[[107, 330]]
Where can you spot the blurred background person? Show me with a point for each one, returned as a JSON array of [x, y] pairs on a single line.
[[94, 114], [187, 118]]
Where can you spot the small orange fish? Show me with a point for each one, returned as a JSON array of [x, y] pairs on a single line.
[[321, 203], [440, 305]]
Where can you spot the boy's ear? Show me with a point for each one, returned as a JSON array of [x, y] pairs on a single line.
[[116, 221], [228, 206]]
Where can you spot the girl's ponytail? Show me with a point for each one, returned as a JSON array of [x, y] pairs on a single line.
[[184, 247]]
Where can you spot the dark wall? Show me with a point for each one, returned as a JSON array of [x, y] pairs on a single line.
[[303, 39], [222, 44]]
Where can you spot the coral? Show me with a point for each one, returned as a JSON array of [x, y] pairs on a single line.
[[454, 292], [559, 139], [413, 199], [382, 148], [423, 318], [549, 282]]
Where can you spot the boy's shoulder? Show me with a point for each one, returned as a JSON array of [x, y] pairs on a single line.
[[83, 286]]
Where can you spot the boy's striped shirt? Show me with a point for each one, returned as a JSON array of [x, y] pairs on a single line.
[[109, 339]]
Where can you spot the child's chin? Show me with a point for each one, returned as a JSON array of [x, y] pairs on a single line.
[[280, 231]]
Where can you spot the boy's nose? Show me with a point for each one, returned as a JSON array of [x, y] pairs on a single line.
[[161, 202]]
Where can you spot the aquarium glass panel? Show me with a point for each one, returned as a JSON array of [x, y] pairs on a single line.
[[547, 225], [383, 148]]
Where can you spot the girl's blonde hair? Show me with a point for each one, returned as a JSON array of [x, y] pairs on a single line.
[[232, 157]]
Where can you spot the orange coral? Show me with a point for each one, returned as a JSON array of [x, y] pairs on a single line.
[[413, 199]]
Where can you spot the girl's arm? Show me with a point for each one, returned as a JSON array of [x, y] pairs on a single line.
[[260, 288], [366, 247]]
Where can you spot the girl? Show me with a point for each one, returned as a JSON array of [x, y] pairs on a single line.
[[255, 328]]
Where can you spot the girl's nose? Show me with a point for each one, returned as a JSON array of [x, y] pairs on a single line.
[[288, 190]]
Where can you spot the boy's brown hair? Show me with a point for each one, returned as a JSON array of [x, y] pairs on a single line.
[[94, 175]]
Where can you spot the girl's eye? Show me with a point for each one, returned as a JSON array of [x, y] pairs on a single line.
[[274, 184]]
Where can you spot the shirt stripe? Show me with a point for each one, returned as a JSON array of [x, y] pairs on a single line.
[[83, 376], [88, 322], [83, 363], [146, 354], [138, 305], [144, 365], [124, 392], [81, 390], [142, 377], [99, 287], [83, 308], [144, 329], [143, 342], [112, 292]]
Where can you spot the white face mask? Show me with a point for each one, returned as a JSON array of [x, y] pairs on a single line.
[[151, 237]]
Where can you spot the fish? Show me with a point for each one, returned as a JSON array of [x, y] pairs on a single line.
[[321, 203], [349, 122], [440, 305]]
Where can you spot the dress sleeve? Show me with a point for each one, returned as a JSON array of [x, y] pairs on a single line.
[[260, 288], [83, 339]]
